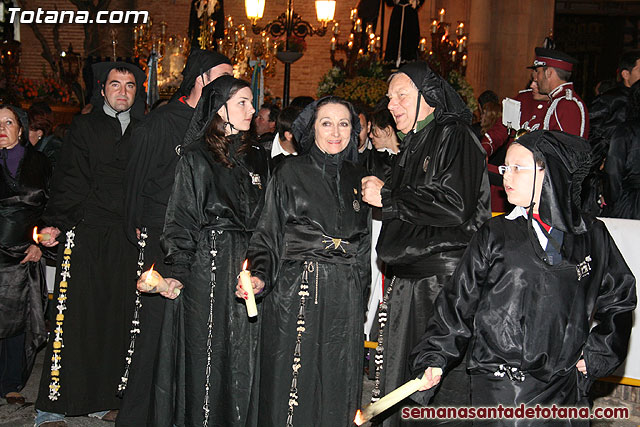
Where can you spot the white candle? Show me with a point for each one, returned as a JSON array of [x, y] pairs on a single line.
[[397, 395], [40, 237], [152, 282], [245, 279]]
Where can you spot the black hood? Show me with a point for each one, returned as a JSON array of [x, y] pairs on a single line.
[[567, 159], [214, 95], [437, 93], [101, 71], [304, 132], [199, 62]]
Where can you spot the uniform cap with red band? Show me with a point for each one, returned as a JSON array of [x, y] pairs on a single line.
[[553, 58]]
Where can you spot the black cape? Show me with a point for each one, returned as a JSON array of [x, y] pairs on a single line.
[[87, 193], [210, 201], [312, 199], [23, 286]]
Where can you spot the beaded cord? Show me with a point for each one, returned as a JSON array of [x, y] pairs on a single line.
[[135, 322], [212, 286], [379, 358], [56, 358], [300, 328]]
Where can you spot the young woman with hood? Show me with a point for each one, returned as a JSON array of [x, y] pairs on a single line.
[[206, 372]]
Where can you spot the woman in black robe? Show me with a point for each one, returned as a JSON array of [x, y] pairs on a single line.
[[310, 254], [217, 197], [527, 287], [24, 189]]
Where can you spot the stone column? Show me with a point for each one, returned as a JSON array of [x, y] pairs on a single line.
[[479, 45]]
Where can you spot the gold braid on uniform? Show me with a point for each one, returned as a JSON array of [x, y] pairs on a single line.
[[56, 358]]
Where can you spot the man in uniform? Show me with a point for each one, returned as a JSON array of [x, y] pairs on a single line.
[[566, 110]]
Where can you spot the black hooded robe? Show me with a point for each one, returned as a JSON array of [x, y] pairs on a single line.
[[310, 200], [435, 199], [212, 208], [23, 290], [528, 308], [150, 175], [87, 196], [509, 307]]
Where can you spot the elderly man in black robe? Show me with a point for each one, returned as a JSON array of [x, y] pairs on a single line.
[[150, 176], [95, 284], [435, 199]]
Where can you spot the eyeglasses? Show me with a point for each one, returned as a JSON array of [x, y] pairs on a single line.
[[516, 168]]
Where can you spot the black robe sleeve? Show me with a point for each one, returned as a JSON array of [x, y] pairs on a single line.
[[445, 342], [72, 180], [182, 222], [265, 248], [450, 197], [606, 345], [142, 158], [615, 165]]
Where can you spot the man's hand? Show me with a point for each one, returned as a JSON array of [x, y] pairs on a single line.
[[371, 187], [431, 378], [53, 233], [256, 284], [582, 366], [33, 254], [173, 284]]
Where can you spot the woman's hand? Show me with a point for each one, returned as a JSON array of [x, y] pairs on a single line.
[[33, 254], [431, 378], [371, 187], [256, 284], [582, 366], [53, 233], [174, 285]]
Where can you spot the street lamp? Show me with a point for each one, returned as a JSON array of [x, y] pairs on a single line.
[[287, 24]]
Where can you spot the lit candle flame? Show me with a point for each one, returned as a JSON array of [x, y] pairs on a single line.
[[244, 266], [358, 420], [151, 269], [35, 234]]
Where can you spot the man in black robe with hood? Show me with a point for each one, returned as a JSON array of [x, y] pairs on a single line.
[[435, 199], [95, 281], [150, 176]]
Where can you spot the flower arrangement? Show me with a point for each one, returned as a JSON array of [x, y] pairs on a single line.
[[27, 88], [47, 88], [367, 86], [367, 90], [296, 44]]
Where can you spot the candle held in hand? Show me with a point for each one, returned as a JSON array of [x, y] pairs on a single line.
[[38, 238], [397, 395], [245, 280], [152, 282]]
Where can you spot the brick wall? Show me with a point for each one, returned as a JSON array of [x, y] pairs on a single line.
[[511, 46]]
